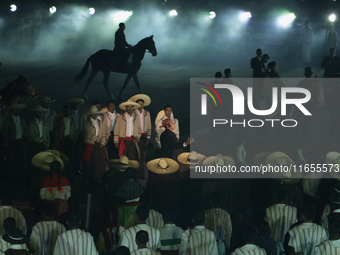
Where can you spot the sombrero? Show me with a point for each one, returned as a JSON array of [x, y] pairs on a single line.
[[47, 100], [218, 160], [16, 106], [281, 159], [79, 101], [333, 157], [43, 160], [94, 110], [104, 109], [124, 162], [128, 102], [39, 109], [15, 236], [163, 166], [61, 155], [190, 158], [160, 115], [145, 98]]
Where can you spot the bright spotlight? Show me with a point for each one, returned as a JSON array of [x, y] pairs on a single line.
[[244, 16], [92, 11], [53, 9], [173, 13], [332, 17], [13, 8], [123, 16], [286, 20], [212, 15]]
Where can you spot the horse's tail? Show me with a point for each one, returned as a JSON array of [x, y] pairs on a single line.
[[83, 72]]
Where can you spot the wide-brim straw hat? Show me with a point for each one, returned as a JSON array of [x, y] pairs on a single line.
[[44, 159], [123, 162], [61, 155], [79, 101], [190, 158], [129, 102], [16, 106], [47, 100], [163, 166], [39, 109], [333, 157], [218, 160], [160, 115], [145, 98], [15, 236], [279, 158], [94, 110]]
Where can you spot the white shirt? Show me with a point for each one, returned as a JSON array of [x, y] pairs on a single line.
[[49, 117], [40, 126], [111, 119], [170, 233], [144, 251], [9, 211], [249, 249], [141, 117], [18, 127], [129, 125], [78, 120], [95, 124], [67, 123], [329, 247], [4, 246]]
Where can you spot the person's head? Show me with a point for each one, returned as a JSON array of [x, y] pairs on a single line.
[[227, 73], [122, 250], [259, 53], [99, 106], [216, 199], [169, 124], [280, 194], [38, 115], [131, 173], [198, 218], [265, 58], [121, 25], [9, 224], [55, 167], [263, 228], [273, 66], [334, 227], [331, 52], [218, 75], [141, 103], [129, 109], [307, 213], [49, 211], [249, 234], [73, 220], [142, 213], [142, 237], [146, 199], [67, 111], [306, 22], [168, 110], [6, 198], [110, 106], [169, 214]]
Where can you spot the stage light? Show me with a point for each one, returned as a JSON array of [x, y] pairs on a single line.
[[332, 17], [212, 15], [53, 9], [173, 13], [92, 11], [244, 16], [122, 16], [13, 8], [286, 20]]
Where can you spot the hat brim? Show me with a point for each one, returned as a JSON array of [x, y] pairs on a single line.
[[79, 101], [183, 158], [123, 105], [152, 166], [48, 102], [39, 110], [16, 106], [132, 163], [160, 115], [61, 155], [8, 239], [37, 160], [210, 161], [145, 98]]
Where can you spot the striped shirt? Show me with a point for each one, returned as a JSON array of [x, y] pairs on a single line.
[[219, 221], [329, 247], [129, 237], [304, 237], [154, 220], [280, 217], [75, 242], [9, 211], [170, 237], [44, 236], [198, 241], [4, 246], [249, 249], [144, 251]]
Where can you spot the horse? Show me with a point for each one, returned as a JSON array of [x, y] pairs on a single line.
[[107, 61], [19, 87]]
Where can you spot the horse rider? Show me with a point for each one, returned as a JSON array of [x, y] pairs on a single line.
[[121, 46]]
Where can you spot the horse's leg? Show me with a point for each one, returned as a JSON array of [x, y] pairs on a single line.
[[128, 77], [135, 79], [89, 80], [106, 81]]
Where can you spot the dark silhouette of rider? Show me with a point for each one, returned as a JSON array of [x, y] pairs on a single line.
[[121, 46]]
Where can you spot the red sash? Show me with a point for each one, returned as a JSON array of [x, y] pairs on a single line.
[[87, 153], [122, 144], [143, 134]]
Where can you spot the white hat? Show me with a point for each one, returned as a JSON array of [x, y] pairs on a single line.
[[145, 98], [163, 166], [190, 158], [128, 102]]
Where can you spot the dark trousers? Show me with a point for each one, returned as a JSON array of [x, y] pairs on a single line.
[[142, 152], [130, 150], [78, 152], [67, 146], [112, 151], [95, 166]]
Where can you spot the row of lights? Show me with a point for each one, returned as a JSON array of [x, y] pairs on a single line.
[[52, 9]]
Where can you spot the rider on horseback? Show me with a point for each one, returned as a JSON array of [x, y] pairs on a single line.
[[122, 48]]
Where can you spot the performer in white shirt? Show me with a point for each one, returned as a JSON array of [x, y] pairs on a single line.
[[50, 115], [331, 246], [142, 238], [249, 236], [109, 122], [9, 225]]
